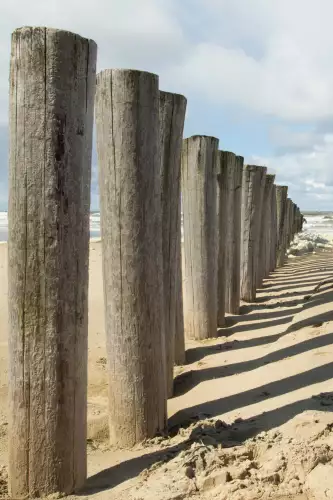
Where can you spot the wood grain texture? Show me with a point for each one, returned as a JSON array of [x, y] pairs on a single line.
[[252, 195], [294, 220], [299, 218], [172, 116], [199, 194], [289, 222], [262, 239], [127, 126], [266, 230], [230, 182], [233, 303], [52, 85], [180, 353], [223, 160], [273, 233], [281, 210]]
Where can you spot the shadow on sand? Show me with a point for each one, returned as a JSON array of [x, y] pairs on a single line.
[[284, 279]]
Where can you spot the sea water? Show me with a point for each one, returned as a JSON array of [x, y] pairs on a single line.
[[320, 223], [316, 222]]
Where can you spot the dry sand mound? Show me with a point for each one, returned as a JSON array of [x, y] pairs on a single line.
[[207, 461]]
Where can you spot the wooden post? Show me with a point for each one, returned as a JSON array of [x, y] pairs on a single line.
[[225, 162], [172, 116], [199, 191], [234, 302], [127, 126], [297, 217], [294, 219], [252, 189], [267, 227], [180, 357], [287, 226], [52, 83], [281, 208], [263, 234], [230, 182], [273, 232]]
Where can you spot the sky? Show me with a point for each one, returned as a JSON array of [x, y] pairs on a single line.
[[257, 74]]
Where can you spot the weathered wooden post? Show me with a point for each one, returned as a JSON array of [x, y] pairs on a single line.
[[252, 189], [266, 228], [230, 182], [281, 209], [293, 220], [288, 225], [273, 233], [52, 84], [180, 354], [234, 302], [263, 234], [180, 357], [199, 192], [172, 116], [127, 126], [223, 158], [297, 220]]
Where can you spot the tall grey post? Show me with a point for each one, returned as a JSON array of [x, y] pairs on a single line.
[[127, 126], [268, 227], [273, 248], [295, 220], [281, 208], [230, 182], [172, 116], [180, 357], [52, 83], [287, 226], [263, 235], [252, 194], [223, 158], [233, 304], [292, 218], [199, 192]]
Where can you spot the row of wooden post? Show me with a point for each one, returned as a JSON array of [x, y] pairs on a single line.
[[227, 257], [237, 225]]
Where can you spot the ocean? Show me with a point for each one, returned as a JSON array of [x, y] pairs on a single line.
[[319, 222], [316, 222], [95, 228]]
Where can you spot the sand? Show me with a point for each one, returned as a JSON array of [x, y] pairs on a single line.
[[252, 413]]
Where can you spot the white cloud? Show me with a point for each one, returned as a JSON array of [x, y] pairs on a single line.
[[143, 34], [262, 57], [265, 56], [277, 60], [308, 174]]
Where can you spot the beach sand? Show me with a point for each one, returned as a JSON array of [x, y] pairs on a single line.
[[268, 379]]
